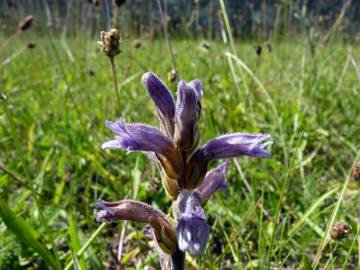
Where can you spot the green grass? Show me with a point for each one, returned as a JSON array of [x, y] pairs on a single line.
[[310, 104]]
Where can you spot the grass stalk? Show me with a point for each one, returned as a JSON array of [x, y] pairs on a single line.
[[324, 241], [167, 39], [277, 212], [113, 69]]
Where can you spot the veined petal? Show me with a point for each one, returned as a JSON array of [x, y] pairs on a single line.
[[213, 181], [197, 85], [163, 100], [138, 137], [191, 229], [226, 146], [236, 144], [188, 110], [164, 227]]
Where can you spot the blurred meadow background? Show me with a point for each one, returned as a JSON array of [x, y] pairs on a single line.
[[289, 68]]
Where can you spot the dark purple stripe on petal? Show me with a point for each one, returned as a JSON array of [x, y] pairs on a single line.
[[187, 115], [196, 84], [160, 94]]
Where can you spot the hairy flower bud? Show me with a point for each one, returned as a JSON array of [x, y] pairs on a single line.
[[163, 226], [110, 42], [188, 110]]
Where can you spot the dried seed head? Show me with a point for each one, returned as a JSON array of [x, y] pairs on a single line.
[[356, 172], [258, 49], [96, 3], [137, 43], [110, 42], [119, 3], [340, 230], [26, 23], [172, 76], [31, 45]]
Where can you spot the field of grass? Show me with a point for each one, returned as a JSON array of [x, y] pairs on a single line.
[[279, 209]]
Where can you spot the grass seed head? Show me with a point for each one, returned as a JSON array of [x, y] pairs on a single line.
[[31, 45], [110, 42], [26, 23], [119, 3], [340, 230], [137, 43], [356, 172]]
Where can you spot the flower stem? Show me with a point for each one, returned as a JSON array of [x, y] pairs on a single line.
[[164, 24], [115, 82], [178, 260]]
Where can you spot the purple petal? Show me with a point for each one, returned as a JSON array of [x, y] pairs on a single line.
[[197, 85], [191, 230], [160, 94], [187, 115], [213, 181], [236, 144], [138, 137]]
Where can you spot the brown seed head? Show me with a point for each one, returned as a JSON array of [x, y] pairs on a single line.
[[31, 45], [96, 3], [172, 76], [258, 49], [340, 230], [26, 23], [137, 43], [356, 172], [110, 42], [119, 3]]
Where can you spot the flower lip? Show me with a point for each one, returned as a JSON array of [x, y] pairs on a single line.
[[191, 230], [138, 137], [160, 94], [237, 144]]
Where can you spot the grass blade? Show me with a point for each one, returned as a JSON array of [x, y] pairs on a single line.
[[26, 234]]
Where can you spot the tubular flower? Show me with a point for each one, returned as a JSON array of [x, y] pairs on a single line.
[[191, 230], [184, 169], [163, 226], [214, 180]]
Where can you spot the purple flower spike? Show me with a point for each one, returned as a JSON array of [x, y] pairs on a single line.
[[213, 181], [191, 230], [188, 109], [138, 137], [163, 99], [236, 144]]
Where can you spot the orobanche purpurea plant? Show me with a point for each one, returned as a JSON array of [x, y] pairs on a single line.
[[183, 167]]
